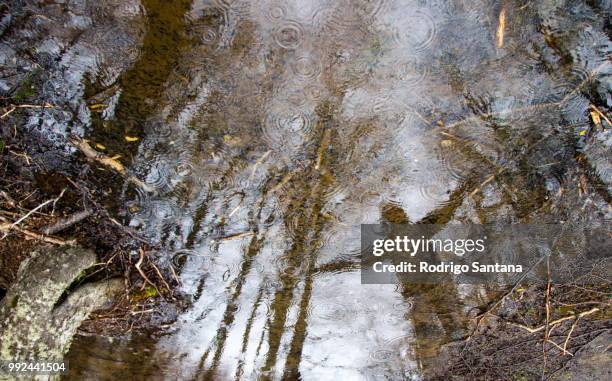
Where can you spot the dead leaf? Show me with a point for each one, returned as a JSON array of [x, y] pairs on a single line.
[[501, 28], [596, 118], [98, 107]]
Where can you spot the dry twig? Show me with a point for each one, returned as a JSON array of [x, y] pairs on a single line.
[[67, 222], [110, 162], [555, 322], [7, 227], [14, 224], [142, 274], [15, 107], [257, 163], [569, 335], [159, 274]]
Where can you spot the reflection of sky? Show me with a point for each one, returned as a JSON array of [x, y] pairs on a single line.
[[354, 332], [350, 324], [388, 84]]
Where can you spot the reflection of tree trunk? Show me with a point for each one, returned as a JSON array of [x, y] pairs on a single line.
[[302, 254], [436, 307], [142, 86], [232, 308], [299, 335], [434, 316]]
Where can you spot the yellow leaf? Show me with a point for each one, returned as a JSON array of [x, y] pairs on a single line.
[[98, 106], [446, 143], [100, 146], [130, 138], [582, 133]]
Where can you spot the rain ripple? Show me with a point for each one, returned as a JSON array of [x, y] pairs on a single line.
[[289, 36], [287, 127], [417, 30], [347, 14], [307, 67]]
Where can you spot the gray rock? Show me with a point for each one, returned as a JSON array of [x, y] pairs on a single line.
[[37, 320], [592, 363]]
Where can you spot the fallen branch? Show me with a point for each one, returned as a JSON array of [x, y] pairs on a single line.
[[7, 227], [14, 224], [501, 26], [100, 209], [22, 154], [151, 310], [488, 180], [555, 322], [500, 300], [55, 241], [563, 350], [15, 107], [65, 223], [110, 162], [233, 236], [257, 163]]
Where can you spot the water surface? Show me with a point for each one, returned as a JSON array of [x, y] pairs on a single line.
[[270, 130]]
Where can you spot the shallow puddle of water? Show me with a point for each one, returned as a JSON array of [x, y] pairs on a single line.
[[272, 129]]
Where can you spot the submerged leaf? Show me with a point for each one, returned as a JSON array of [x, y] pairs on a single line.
[[596, 118]]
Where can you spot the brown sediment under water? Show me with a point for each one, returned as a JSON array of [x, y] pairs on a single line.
[[270, 130]]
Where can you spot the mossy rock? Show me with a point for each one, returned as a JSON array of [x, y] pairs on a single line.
[[42, 310]]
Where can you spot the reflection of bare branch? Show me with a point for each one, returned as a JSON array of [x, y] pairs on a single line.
[[538, 106], [338, 266], [257, 163]]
